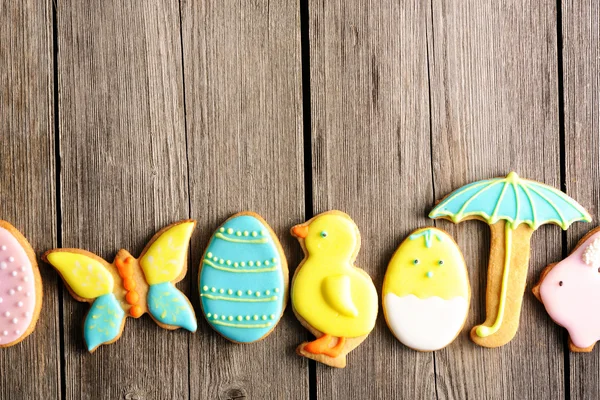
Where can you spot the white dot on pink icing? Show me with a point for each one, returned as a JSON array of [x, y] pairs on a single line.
[[14, 273], [20, 304], [1, 300], [19, 288], [25, 279], [27, 294], [5, 333], [7, 314], [11, 291], [18, 332], [27, 313], [14, 321], [3, 247], [2, 265], [11, 259], [23, 268]]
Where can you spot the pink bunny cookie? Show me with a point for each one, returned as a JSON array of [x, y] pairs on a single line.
[[570, 291]]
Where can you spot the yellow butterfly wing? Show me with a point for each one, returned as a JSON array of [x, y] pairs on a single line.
[[87, 277], [165, 257]]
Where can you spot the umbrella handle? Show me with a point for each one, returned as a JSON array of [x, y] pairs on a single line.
[[485, 331]]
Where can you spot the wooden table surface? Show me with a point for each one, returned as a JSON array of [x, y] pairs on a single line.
[[119, 117]]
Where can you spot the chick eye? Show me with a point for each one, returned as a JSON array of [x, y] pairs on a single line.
[[415, 261], [324, 234], [560, 283], [441, 262]]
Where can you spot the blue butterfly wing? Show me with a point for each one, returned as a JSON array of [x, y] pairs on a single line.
[[170, 307], [104, 322]]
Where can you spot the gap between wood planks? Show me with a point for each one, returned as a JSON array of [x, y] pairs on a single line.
[[61, 326], [307, 125], [563, 171]]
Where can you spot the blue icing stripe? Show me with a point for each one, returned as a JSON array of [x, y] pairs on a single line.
[[170, 307], [103, 322], [241, 283]]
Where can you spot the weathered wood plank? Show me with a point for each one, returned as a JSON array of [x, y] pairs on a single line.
[[124, 176], [371, 159], [31, 369], [244, 118], [581, 82], [494, 96]]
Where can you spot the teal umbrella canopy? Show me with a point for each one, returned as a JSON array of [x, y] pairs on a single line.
[[515, 200]]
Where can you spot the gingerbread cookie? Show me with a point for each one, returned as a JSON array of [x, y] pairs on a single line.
[[130, 287], [243, 279], [514, 208], [332, 298], [20, 287], [570, 291], [426, 290]]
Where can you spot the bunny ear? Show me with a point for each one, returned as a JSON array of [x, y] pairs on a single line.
[[591, 254]]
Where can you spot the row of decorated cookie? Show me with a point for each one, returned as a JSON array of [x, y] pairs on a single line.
[[243, 278]]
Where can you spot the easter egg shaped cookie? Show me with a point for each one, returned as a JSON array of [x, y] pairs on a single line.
[[243, 279], [20, 287], [426, 290]]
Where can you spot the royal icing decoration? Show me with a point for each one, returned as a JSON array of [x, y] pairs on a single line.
[[19, 302], [130, 287], [329, 292], [242, 282], [591, 254], [426, 290], [570, 291], [510, 201]]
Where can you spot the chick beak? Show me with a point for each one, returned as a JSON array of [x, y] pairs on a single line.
[[300, 231]]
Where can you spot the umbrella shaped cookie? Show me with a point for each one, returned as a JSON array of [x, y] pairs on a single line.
[[514, 208]]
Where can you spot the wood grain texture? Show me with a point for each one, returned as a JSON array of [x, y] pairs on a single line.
[[371, 159], [27, 182], [244, 119], [123, 177], [581, 82], [494, 96]]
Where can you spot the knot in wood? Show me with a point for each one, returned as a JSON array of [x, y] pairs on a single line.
[[133, 396], [233, 394]]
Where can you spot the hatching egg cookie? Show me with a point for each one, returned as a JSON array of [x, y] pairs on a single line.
[[426, 290]]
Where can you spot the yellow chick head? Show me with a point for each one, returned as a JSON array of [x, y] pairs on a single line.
[[331, 235], [428, 263]]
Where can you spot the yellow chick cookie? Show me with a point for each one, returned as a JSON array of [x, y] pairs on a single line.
[[426, 290], [331, 297]]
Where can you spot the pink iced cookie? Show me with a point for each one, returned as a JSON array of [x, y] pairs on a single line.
[[570, 291], [20, 287]]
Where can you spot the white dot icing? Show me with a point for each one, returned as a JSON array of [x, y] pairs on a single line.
[[591, 254]]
